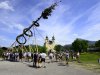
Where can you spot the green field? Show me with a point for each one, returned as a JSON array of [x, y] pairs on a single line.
[[90, 61], [90, 58]]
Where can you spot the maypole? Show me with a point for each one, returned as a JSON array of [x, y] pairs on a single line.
[[47, 12]]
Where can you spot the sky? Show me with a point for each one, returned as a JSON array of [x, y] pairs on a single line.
[[71, 19]]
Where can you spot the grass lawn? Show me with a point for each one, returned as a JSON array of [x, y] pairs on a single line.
[[91, 58], [90, 61]]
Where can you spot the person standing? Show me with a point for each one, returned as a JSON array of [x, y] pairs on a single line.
[[67, 57], [35, 59], [43, 57], [78, 57], [31, 56], [56, 56], [51, 57], [20, 56]]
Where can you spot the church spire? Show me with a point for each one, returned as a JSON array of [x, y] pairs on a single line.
[[46, 37], [53, 38]]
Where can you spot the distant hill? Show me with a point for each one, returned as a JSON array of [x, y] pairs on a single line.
[[91, 43]]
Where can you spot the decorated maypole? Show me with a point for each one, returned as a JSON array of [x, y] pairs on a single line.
[[27, 32]]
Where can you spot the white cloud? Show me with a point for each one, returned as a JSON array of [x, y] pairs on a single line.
[[6, 5], [92, 29], [19, 26], [75, 35], [94, 16], [5, 41], [11, 27]]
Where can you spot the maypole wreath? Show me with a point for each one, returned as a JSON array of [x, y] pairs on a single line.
[[21, 36]]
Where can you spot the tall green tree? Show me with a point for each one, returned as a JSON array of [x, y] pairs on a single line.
[[97, 44], [58, 48], [1, 51], [80, 45], [42, 49]]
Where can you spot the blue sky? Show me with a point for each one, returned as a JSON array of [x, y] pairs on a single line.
[[72, 19]]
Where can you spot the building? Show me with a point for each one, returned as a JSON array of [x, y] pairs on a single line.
[[50, 44]]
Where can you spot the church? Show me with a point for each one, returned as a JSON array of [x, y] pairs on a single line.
[[50, 44]]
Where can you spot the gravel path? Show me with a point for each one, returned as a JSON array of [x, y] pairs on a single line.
[[56, 68]]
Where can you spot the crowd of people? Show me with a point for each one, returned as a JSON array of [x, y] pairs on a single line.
[[39, 59]]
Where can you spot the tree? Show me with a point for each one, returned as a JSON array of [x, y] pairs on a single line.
[[42, 49], [67, 47], [1, 51], [97, 44], [80, 45], [4, 48], [58, 48], [84, 45]]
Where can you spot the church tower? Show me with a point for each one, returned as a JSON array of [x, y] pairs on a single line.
[[49, 44], [53, 42], [46, 41]]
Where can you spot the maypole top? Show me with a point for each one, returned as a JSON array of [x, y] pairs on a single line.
[[47, 12]]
